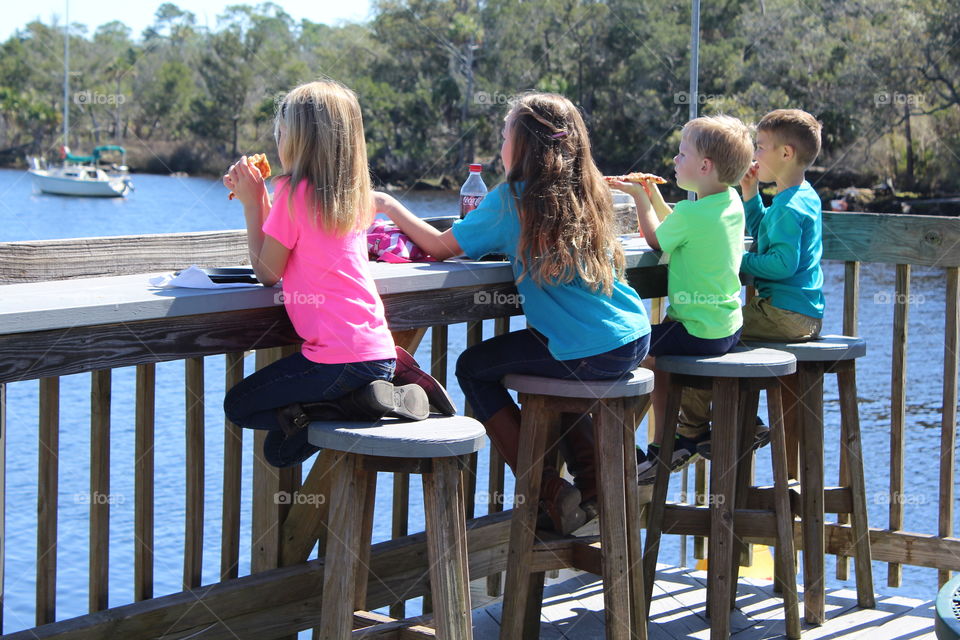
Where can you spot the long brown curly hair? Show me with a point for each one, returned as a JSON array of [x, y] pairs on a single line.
[[566, 210]]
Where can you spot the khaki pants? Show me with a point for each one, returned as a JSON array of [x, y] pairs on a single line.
[[761, 321]]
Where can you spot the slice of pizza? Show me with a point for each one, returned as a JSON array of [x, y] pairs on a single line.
[[258, 160], [636, 176]]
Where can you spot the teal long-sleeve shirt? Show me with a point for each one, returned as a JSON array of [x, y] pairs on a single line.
[[788, 239]]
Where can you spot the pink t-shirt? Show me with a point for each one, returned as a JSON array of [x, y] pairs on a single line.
[[328, 290]]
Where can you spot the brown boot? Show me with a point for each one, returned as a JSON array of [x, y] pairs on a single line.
[[560, 500], [503, 429], [580, 452]]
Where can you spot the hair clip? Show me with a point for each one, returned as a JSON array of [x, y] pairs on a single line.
[[559, 134]]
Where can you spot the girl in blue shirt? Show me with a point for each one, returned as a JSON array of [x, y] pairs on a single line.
[[553, 219]]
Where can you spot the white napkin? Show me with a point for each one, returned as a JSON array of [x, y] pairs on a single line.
[[193, 277]]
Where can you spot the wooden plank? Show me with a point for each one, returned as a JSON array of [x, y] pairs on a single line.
[[948, 429], [409, 339], [99, 576], [348, 489], [851, 443], [447, 549], [265, 529], [810, 377], [193, 525], [438, 353], [48, 493], [851, 312], [720, 546], [399, 525], [892, 238], [38, 260], [232, 478], [474, 337], [304, 523], [898, 407], [3, 495], [496, 476], [143, 482]]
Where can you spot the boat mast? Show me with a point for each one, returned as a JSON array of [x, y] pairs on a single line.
[[66, 76]]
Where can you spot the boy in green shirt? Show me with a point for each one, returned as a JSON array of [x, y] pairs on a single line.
[[705, 242], [785, 260]]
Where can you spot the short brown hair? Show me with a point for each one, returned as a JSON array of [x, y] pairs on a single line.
[[726, 141], [796, 128]]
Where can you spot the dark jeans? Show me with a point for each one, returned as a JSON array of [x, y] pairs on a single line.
[[480, 368], [253, 403], [671, 338]]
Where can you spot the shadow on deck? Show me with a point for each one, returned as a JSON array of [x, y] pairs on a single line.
[[573, 610]]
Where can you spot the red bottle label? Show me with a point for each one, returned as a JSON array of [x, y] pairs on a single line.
[[468, 204]]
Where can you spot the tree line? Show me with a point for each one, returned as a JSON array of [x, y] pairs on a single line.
[[434, 78]]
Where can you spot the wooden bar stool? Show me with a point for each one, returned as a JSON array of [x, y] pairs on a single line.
[[437, 449], [736, 380], [617, 407], [829, 354]]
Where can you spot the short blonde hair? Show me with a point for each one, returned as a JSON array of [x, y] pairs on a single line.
[[796, 128], [726, 141], [324, 142]]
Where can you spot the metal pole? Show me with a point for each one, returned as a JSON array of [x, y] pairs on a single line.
[[694, 66], [66, 76]]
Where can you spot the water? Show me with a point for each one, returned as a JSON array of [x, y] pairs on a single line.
[[163, 205]]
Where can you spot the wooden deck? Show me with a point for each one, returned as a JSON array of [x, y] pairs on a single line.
[[573, 610]]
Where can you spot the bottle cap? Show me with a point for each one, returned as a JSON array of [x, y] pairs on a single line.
[[476, 168]]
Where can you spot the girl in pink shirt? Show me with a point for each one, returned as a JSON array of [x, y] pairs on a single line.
[[313, 237]]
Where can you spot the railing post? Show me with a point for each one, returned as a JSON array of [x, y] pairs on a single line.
[[100, 499], [48, 492], [232, 478], [193, 525], [898, 406], [143, 482], [948, 431]]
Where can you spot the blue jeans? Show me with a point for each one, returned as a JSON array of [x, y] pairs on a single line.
[[480, 368], [253, 403]]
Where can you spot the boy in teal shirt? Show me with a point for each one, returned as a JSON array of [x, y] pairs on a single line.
[[705, 242], [788, 243]]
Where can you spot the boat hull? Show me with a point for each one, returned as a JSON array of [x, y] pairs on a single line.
[[64, 186]]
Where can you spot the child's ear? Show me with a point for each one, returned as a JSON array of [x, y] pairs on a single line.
[[706, 166], [789, 152]]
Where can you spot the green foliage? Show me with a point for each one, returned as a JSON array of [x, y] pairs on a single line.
[[435, 78]]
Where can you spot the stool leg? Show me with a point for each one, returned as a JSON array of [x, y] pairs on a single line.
[[615, 554], [784, 515], [791, 416], [651, 548], [722, 498], [344, 528], [634, 408], [517, 588], [850, 426], [447, 550], [749, 400], [366, 537], [811, 483]]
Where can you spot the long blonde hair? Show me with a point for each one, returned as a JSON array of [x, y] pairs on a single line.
[[566, 210], [323, 145]]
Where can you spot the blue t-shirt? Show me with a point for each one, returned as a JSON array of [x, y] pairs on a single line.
[[576, 321], [789, 244]]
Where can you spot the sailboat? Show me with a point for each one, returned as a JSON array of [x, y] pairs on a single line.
[[78, 175]]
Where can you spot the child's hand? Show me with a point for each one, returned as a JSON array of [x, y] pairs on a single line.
[[245, 182], [750, 183], [384, 203], [635, 189]]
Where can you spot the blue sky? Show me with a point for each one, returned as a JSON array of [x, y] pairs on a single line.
[[138, 15]]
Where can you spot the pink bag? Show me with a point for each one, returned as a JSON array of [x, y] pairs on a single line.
[[386, 243]]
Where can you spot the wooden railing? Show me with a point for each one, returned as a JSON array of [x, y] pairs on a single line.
[[282, 594]]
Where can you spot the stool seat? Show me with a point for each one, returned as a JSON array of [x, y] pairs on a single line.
[[436, 437], [740, 362], [638, 383], [826, 349]]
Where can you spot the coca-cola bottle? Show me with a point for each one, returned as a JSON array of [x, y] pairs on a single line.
[[472, 191]]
